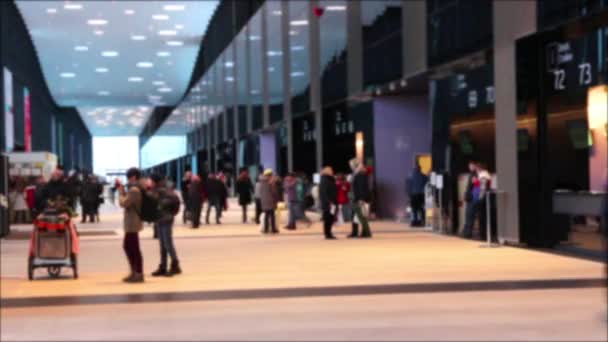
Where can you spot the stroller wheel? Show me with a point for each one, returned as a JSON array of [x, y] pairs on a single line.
[[30, 269], [54, 271]]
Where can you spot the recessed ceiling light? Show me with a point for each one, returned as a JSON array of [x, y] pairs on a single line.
[[293, 33], [275, 53], [97, 22], [72, 7], [277, 12], [135, 79], [297, 48], [175, 43], [103, 93], [51, 10], [164, 90], [67, 75], [101, 70], [163, 54], [129, 12], [167, 33], [299, 22], [179, 27], [229, 64], [155, 97], [335, 8], [138, 37], [297, 74], [109, 53], [174, 7], [255, 38], [271, 69], [229, 79], [98, 32], [145, 64], [81, 48], [158, 83], [160, 17]]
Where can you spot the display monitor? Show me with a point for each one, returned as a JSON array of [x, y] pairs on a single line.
[[580, 135], [466, 143]]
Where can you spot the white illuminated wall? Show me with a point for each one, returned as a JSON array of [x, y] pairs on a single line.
[[160, 149], [114, 154]]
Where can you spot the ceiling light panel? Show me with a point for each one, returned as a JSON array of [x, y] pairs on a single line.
[[97, 22]]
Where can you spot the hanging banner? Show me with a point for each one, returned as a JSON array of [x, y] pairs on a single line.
[[9, 120], [27, 120]]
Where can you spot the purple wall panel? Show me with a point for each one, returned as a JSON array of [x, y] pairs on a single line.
[[268, 151], [402, 129]]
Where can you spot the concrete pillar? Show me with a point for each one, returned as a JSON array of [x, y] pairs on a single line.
[[354, 34], [512, 20], [248, 79], [265, 81], [315, 78], [413, 22], [287, 113]]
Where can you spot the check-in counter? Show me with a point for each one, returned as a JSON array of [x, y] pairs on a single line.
[[582, 203]]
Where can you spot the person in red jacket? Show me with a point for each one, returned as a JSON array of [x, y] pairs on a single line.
[[343, 189]]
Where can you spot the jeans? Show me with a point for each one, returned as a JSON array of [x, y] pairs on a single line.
[[258, 210], [218, 210], [293, 208], [195, 214], [328, 222], [269, 221], [244, 207], [471, 212], [417, 204], [167, 247], [131, 247]]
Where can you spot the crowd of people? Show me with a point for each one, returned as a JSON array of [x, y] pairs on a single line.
[[28, 196]]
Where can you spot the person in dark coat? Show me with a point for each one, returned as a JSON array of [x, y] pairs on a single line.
[[361, 196], [168, 207], [89, 197], [328, 193], [244, 189], [195, 200], [415, 189], [186, 180], [56, 188], [216, 193]]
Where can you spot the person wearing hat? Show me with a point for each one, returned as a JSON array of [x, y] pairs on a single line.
[[268, 201]]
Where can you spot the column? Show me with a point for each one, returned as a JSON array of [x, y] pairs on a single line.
[[287, 114], [265, 82], [414, 21], [512, 20], [354, 38], [248, 79], [315, 79]]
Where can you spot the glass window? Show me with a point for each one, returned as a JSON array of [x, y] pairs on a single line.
[[333, 52], [382, 42], [242, 60], [299, 60], [275, 63]]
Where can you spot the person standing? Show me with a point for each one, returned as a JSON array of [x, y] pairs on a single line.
[[343, 187], [195, 200], [131, 201], [477, 185], [88, 200], [328, 199], [361, 196], [258, 201], [268, 201], [291, 198], [415, 189], [216, 192], [244, 190], [186, 180], [168, 206]]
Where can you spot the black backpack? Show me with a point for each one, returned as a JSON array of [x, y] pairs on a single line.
[[149, 207]]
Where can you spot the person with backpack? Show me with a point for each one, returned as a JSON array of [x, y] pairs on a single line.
[[168, 207], [131, 201]]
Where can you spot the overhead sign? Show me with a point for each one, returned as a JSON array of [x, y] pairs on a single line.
[[573, 64]]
